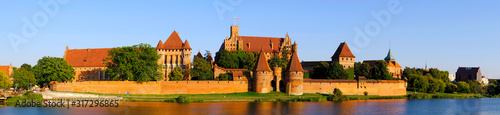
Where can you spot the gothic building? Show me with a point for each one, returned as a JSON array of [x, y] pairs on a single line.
[[271, 46], [174, 53]]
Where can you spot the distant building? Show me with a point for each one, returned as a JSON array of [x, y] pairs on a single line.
[[8, 70], [174, 53], [344, 56], [452, 77], [393, 67], [271, 46], [468, 73], [89, 64], [484, 81]]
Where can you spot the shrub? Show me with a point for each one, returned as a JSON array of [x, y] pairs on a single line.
[[183, 99], [337, 92], [366, 93]]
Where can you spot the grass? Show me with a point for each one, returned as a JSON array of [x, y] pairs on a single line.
[[28, 96]]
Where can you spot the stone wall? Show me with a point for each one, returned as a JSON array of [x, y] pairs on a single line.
[[160, 87], [351, 87]]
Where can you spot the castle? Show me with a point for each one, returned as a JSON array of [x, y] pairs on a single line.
[[89, 63]]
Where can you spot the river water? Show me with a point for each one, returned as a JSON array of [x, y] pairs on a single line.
[[393, 106]]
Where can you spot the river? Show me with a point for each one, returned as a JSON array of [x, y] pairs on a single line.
[[394, 106]]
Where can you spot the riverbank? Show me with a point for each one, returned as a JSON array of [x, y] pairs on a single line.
[[274, 96]]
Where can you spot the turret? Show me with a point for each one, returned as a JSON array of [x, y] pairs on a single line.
[[294, 74], [262, 75]]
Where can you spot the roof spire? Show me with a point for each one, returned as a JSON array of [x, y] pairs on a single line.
[[389, 56], [262, 64]]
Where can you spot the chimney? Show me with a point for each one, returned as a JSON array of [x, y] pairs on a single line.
[[88, 49]]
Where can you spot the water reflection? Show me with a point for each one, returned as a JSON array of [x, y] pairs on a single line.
[[401, 106]]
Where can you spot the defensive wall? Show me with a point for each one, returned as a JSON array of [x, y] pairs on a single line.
[[353, 87], [160, 87], [348, 87]]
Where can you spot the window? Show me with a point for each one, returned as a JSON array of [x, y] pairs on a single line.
[[99, 75]]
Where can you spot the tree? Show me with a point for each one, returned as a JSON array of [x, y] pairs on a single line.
[[227, 59], [435, 85], [226, 77], [176, 74], [136, 63], [277, 62], [202, 70], [5, 82], [361, 69], [418, 83], [463, 87], [329, 71], [350, 73], [475, 86], [379, 71], [23, 78], [53, 69], [26, 66], [249, 60], [450, 88]]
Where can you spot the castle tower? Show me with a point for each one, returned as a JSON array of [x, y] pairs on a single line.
[[262, 75], [344, 56], [294, 74], [277, 77]]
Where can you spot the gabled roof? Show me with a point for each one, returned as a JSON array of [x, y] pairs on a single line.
[[186, 45], [173, 42], [87, 57], [343, 51], [389, 56], [294, 64], [389, 63], [209, 57], [255, 44], [160, 45], [262, 64]]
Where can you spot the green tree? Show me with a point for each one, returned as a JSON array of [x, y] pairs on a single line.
[[202, 70], [5, 82], [23, 78], [418, 83], [350, 73], [27, 67], [53, 69], [379, 71], [475, 86], [450, 88], [329, 71], [176, 74], [249, 60], [435, 85], [361, 69], [226, 77], [463, 87], [227, 59], [135, 63], [277, 61]]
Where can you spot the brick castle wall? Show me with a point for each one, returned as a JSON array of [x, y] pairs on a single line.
[[350, 87], [160, 87]]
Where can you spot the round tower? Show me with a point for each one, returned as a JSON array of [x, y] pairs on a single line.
[[294, 74], [262, 75], [277, 77]]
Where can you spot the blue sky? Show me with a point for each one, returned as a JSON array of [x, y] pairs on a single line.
[[446, 34]]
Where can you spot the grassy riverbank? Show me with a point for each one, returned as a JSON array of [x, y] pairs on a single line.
[[276, 96], [28, 96]]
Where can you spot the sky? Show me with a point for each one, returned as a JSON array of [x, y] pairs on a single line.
[[444, 34]]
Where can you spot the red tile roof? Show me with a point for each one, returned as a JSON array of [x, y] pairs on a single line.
[[186, 45], [5, 69], [262, 64], [173, 42], [160, 45], [199, 55], [255, 44], [389, 63], [343, 51], [87, 57], [294, 64]]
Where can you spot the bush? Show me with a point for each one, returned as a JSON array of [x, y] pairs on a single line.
[[366, 93], [463, 87], [183, 99], [226, 77], [337, 92]]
